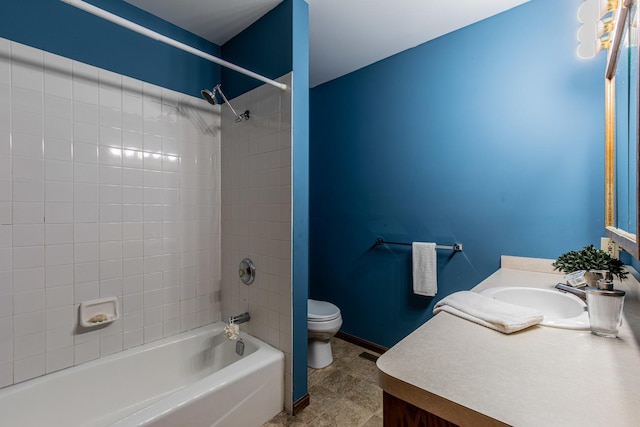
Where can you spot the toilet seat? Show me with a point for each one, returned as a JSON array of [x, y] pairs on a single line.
[[321, 311]]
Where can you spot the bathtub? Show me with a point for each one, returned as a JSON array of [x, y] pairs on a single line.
[[192, 379]]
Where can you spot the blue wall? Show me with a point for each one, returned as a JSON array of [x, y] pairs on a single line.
[[300, 154], [265, 48], [58, 28], [491, 136]]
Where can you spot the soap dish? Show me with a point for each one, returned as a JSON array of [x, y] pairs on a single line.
[[98, 312]]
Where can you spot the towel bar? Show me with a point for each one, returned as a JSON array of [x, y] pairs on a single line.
[[456, 247]]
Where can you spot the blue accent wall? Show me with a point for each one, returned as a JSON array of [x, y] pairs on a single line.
[[64, 30], [264, 48], [491, 136], [300, 153]]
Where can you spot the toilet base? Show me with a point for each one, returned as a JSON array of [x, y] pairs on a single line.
[[319, 354]]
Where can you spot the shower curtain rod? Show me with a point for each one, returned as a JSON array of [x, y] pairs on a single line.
[[164, 39]]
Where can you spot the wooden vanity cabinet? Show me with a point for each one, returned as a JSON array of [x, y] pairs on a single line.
[[398, 413]]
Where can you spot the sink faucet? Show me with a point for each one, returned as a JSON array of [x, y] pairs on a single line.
[[566, 288], [240, 318]]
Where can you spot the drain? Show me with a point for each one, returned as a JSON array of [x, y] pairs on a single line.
[[370, 357]]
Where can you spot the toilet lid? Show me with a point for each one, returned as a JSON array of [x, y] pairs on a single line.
[[321, 310]]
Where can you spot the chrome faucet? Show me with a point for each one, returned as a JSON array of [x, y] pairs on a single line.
[[566, 288], [240, 318]]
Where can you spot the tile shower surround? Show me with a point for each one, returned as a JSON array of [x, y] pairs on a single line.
[[108, 187], [256, 216]]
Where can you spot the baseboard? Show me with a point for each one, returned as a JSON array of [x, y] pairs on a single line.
[[300, 404], [362, 343]]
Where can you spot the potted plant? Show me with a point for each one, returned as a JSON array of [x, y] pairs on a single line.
[[591, 260]]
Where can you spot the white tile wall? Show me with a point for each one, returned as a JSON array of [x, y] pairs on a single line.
[[256, 216], [108, 187]]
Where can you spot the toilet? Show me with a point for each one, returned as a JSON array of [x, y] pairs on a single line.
[[323, 321]]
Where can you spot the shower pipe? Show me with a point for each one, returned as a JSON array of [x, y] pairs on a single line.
[[164, 39]]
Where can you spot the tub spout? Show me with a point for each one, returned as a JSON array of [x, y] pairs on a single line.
[[240, 318]]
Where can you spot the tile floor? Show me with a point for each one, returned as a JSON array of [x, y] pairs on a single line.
[[344, 394]]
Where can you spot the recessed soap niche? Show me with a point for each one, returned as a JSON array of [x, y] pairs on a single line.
[[98, 312]]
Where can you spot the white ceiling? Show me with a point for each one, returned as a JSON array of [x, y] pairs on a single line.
[[214, 20], [344, 35]]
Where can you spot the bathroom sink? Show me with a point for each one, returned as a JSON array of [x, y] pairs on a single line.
[[560, 310]]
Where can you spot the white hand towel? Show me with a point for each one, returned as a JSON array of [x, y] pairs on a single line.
[[424, 261], [489, 312]]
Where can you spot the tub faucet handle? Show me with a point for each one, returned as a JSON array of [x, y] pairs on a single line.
[[247, 271]]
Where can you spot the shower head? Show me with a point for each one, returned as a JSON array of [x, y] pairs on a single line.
[[209, 95]]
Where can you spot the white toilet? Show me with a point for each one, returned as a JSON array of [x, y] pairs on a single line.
[[323, 321]]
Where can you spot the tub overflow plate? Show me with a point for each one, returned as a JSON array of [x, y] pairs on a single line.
[[247, 271]]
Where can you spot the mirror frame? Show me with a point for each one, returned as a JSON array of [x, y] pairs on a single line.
[[625, 240]]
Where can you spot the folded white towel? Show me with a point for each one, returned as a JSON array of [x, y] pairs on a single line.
[[489, 312], [424, 261]]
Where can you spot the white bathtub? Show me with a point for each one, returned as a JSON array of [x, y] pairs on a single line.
[[192, 379]]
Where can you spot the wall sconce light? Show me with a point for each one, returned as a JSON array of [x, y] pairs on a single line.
[[598, 19]]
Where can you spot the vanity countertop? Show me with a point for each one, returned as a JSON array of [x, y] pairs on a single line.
[[539, 377]]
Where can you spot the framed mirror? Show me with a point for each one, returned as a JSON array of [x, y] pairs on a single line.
[[621, 132]]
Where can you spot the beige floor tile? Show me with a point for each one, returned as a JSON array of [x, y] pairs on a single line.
[[374, 421], [284, 420], [364, 369], [344, 394], [340, 382], [320, 422], [346, 413], [318, 375], [321, 399], [367, 395], [343, 350]]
